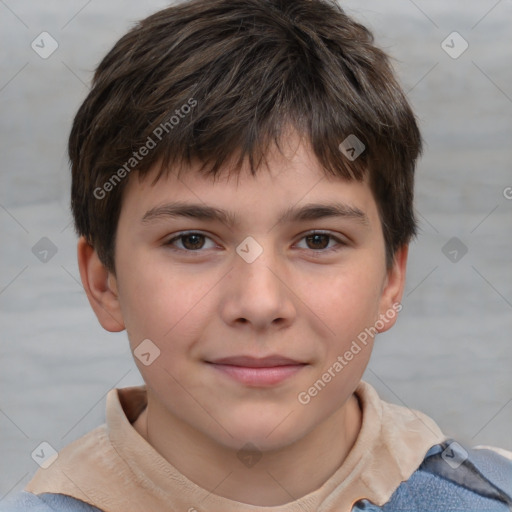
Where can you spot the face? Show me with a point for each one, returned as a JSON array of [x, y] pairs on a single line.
[[256, 301]]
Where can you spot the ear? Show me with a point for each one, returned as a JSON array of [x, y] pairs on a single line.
[[393, 290], [100, 285]]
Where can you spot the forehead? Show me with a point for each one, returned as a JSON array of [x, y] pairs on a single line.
[[290, 177]]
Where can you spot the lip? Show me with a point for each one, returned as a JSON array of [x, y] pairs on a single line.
[[256, 362], [257, 372]]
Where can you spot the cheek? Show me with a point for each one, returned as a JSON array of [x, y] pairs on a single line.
[[347, 300], [348, 305], [164, 306]]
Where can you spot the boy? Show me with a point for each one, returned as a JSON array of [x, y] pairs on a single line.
[[257, 129]]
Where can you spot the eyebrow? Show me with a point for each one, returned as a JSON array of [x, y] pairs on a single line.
[[311, 211]]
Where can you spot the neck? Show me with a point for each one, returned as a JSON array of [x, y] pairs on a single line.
[[277, 478]]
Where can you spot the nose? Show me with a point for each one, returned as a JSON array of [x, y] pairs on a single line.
[[257, 293]]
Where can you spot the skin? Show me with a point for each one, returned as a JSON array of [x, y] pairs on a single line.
[[297, 299]]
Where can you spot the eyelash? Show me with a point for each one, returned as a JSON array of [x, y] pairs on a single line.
[[340, 243]]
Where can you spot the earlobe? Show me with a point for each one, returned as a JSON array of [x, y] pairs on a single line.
[[393, 290], [100, 286]]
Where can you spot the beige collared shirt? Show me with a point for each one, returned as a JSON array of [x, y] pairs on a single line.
[[117, 470]]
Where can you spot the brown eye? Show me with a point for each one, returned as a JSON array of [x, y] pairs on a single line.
[[190, 242], [318, 241], [321, 243], [193, 242]]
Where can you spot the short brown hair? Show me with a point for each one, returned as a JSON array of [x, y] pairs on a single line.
[[217, 80]]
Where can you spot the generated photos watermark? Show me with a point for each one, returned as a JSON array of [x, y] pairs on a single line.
[[44, 455], [352, 147], [304, 397], [454, 455], [454, 45], [44, 45], [151, 143], [147, 352]]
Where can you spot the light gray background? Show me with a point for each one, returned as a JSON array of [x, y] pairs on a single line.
[[450, 355]]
